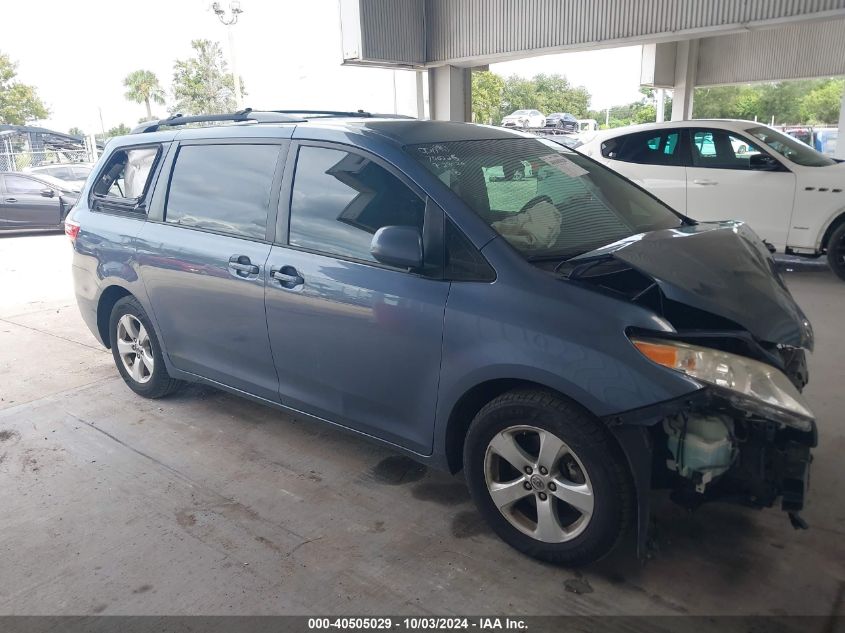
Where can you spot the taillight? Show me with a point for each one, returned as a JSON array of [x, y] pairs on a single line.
[[71, 229]]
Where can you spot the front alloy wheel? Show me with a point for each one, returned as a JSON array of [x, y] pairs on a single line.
[[538, 484], [548, 477]]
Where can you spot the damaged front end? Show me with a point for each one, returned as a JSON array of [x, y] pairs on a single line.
[[733, 327], [745, 436]]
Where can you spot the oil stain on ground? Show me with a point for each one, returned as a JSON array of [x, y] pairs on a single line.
[[397, 470], [579, 585], [7, 435], [469, 523], [447, 494], [186, 518]]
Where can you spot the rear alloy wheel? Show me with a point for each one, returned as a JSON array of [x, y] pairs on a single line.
[[136, 351], [133, 347], [548, 477], [836, 251]]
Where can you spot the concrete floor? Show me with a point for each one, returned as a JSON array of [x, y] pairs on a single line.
[[206, 504]]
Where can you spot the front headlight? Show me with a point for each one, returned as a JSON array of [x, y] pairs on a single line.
[[749, 384]]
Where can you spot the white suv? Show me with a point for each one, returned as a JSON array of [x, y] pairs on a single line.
[[790, 194]]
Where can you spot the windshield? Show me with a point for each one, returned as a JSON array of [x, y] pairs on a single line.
[[545, 200], [790, 148], [521, 112]]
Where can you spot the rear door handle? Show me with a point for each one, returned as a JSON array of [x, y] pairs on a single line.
[[241, 265], [704, 181], [11, 199], [287, 276]]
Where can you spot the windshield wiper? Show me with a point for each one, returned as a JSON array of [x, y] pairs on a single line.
[[556, 257]]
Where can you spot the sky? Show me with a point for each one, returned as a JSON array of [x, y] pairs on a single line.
[[288, 53]]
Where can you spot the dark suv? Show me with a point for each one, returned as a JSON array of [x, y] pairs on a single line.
[[567, 340]]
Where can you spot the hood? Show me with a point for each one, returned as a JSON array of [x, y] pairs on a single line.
[[721, 268]]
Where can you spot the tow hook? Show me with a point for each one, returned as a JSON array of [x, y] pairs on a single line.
[[797, 522]]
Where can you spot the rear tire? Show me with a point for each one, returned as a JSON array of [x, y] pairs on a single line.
[[836, 251], [562, 452], [137, 352]]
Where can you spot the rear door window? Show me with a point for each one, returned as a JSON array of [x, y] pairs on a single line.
[[340, 199], [657, 147], [223, 188]]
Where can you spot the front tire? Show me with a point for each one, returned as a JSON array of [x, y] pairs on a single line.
[[547, 477], [836, 251], [136, 351]]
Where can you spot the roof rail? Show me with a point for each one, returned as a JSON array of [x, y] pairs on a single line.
[[247, 114], [328, 113], [361, 114]]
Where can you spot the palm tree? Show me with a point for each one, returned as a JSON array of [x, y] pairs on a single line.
[[143, 87]]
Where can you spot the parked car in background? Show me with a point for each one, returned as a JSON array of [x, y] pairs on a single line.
[[791, 195], [800, 132], [30, 202], [562, 121], [567, 342], [73, 174], [588, 125], [825, 140], [524, 119]]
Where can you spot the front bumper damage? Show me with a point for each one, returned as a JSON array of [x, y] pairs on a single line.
[[767, 462]]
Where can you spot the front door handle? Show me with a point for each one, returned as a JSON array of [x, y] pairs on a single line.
[[704, 181], [11, 199], [287, 276], [241, 266]]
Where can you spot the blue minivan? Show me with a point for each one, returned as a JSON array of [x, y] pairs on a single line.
[[565, 339]]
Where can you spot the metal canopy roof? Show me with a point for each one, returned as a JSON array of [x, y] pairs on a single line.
[[426, 33]]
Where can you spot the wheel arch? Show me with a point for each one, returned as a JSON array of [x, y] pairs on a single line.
[[465, 408], [108, 298], [836, 221]]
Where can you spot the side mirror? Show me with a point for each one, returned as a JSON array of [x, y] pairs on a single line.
[[47, 193], [762, 162], [399, 246]]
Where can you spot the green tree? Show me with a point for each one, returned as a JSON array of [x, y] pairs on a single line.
[[727, 102], [118, 130], [556, 94], [143, 87], [547, 93], [822, 104], [788, 102], [519, 94], [487, 90], [19, 103], [75, 131], [202, 84]]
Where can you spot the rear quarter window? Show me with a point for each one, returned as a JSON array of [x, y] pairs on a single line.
[[123, 183]]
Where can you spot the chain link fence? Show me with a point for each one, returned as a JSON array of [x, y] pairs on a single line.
[[19, 161]]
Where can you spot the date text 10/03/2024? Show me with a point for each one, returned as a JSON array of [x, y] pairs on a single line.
[[419, 623]]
